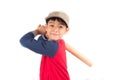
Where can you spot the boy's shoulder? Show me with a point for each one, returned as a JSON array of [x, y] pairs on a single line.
[[61, 41]]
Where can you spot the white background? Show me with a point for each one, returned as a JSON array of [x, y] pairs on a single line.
[[94, 32]]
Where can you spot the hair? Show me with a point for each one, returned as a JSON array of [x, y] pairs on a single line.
[[58, 19]]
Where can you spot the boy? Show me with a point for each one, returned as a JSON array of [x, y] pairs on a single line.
[[52, 47]]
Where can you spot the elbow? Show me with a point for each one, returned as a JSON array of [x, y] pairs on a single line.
[[23, 42]]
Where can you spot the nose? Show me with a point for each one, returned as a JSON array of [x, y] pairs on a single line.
[[56, 29]]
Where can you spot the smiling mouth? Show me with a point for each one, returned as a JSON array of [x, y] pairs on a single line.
[[54, 34]]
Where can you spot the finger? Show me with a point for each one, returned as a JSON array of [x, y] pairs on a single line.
[[43, 25], [39, 25]]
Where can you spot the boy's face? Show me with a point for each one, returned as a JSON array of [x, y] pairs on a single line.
[[55, 30]]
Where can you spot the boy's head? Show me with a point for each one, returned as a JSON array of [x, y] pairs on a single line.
[[59, 14], [56, 25]]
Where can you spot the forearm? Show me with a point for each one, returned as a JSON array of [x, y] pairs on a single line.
[[36, 32], [41, 46], [78, 55], [27, 38]]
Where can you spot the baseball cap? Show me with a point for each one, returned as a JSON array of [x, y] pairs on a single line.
[[59, 14]]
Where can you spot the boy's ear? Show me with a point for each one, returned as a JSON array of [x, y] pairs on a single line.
[[45, 26], [68, 29]]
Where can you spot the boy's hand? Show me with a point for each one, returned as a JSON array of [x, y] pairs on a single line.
[[41, 29]]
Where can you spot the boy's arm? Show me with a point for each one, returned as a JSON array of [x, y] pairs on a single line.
[[78, 55], [40, 46]]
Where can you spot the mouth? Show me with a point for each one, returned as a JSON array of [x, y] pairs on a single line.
[[54, 34]]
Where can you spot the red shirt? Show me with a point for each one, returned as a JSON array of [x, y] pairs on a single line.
[[55, 68]]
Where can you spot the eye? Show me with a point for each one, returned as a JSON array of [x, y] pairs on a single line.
[[51, 25], [60, 26]]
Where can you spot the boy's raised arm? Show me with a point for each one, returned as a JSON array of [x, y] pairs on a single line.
[[78, 55], [41, 45]]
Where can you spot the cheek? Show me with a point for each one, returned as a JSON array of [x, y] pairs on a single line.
[[47, 30], [63, 32]]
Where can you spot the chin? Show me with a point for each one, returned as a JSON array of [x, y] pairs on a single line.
[[55, 39]]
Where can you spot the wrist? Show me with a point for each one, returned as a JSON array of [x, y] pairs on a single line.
[[35, 32]]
